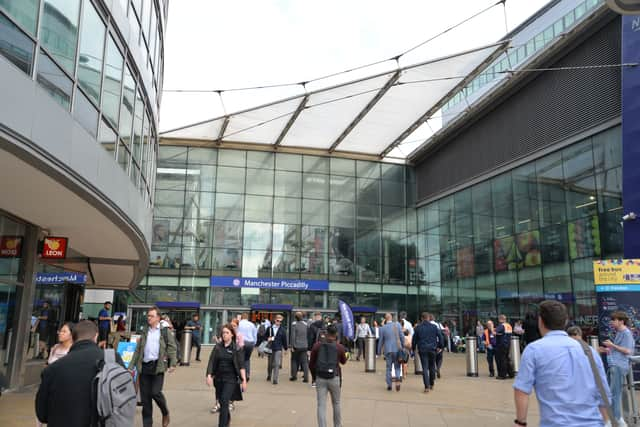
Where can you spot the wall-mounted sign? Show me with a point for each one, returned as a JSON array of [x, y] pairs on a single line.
[[65, 276], [10, 246], [266, 283], [616, 272], [54, 247]]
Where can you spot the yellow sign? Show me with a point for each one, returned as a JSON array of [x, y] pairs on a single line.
[[616, 271]]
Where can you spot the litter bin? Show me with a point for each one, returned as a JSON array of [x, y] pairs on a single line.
[[417, 362], [185, 347], [514, 353], [593, 342], [370, 354], [472, 356]]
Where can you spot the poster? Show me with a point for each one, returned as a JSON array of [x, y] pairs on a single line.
[[584, 237], [465, 260], [126, 350], [517, 252]]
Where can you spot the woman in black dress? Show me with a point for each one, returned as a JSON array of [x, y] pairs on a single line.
[[225, 371]]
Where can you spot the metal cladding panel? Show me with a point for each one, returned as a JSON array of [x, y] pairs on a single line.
[[550, 108]]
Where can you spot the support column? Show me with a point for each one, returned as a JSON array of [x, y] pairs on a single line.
[[24, 307]]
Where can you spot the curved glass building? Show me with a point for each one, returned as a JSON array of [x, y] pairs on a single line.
[[80, 83]]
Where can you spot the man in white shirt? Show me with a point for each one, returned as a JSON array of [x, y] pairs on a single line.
[[406, 325], [250, 334], [362, 332]]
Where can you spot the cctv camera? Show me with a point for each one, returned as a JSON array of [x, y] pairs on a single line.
[[629, 217]]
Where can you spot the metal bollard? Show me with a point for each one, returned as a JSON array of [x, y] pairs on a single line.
[[185, 347], [370, 354], [593, 342], [36, 345], [472, 356], [514, 353], [417, 362]]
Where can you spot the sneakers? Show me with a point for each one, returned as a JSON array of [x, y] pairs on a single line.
[[313, 384], [622, 422]]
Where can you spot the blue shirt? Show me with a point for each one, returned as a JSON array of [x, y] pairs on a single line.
[[248, 331], [197, 325], [104, 324], [616, 358], [560, 372]]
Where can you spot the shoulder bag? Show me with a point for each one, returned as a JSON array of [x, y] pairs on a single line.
[[598, 380], [402, 356]]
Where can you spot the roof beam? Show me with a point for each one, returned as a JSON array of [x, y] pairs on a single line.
[[392, 81], [464, 82], [292, 119], [223, 129]]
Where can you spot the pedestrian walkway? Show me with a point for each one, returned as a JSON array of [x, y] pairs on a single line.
[[456, 401]]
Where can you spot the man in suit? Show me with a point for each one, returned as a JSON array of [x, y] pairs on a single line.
[[64, 398], [277, 336], [391, 340], [155, 354]]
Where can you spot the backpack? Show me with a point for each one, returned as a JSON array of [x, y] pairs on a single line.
[[115, 393], [327, 363]]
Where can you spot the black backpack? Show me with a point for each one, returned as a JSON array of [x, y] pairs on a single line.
[[327, 363]]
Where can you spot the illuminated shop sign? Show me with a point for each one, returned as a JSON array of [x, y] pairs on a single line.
[[266, 283], [10, 246], [54, 247]]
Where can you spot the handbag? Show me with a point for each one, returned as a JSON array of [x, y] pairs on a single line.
[[402, 356], [265, 347]]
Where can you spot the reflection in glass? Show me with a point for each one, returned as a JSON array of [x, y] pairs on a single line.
[[227, 234], [290, 162], [260, 160], [229, 206], [316, 164], [258, 208], [343, 188], [368, 191], [287, 210], [14, 45], [256, 263], [112, 83], [315, 212], [59, 31], [230, 180], [257, 236], [286, 237], [288, 184], [260, 182], [315, 186], [346, 167], [202, 155], [54, 81], [91, 49], [126, 109], [232, 158], [137, 127], [107, 138], [24, 12], [86, 114]]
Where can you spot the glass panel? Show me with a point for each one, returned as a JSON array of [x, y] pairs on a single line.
[[607, 149], [91, 49], [291, 162], [172, 156], [107, 138], [368, 169], [137, 127], [551, 194], [11, 259], [232, 158], [166, 232], [24, 12], [286, 237], [226, 260], [169, 203], [204, 156], [258, 208], [393, 193], [315, 186], [368, 191], [287, 210], [201, 178], [229, 206], [260, 181], [343, 214], [502, 193], [112, 83], [227, 234], [230, 180], [123, 156], [86, 114], [146, 16], [286, 264], [343, 167], [288, 184], [316, 164], [368, 217], [198, 205], [14, 45], [525, 198], [128, 103], [260, 160], [257, 236], [577, 161], [315, 212], [54, 81], [7, 319], [59, 31], [145, 146], [343, 188]]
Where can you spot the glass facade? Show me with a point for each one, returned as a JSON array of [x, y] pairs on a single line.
[[74, 52]]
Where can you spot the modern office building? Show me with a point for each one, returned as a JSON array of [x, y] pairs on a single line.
[[505, 205], [80, 83]]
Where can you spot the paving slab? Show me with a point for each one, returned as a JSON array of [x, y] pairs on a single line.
[[456, 401]]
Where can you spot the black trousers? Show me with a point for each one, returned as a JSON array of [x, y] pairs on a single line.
[[224, 391], [299, 359], [151, 390], [360, 343], [195, 342], [428, 360], [248, 349], [502, 360]]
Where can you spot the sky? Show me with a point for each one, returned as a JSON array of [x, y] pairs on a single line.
[[218, 45]]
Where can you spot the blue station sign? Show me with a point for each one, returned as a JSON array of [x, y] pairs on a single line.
[[265, 283], [55, 278]]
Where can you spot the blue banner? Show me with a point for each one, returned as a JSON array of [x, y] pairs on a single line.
[[126, 350], [348, 327], [260, 283], [54, 278], [631, 134]]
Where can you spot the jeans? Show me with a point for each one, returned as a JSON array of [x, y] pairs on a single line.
[[274, 361], [195, 342], [248, 349], [392, 360], [224, 391], [360, 344], [151, 390], [428, 360], [299, 359], [333, 387], [491, 352], [616, 379]]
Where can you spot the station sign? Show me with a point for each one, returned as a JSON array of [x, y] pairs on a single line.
[[10, 246], [62, 277], [267, 283], [54, 247]]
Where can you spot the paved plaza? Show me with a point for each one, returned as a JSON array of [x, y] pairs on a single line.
[[456, 401]]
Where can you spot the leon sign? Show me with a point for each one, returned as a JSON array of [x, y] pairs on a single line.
[[54, 247]]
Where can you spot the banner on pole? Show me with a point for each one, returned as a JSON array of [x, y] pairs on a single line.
[[348, 327]]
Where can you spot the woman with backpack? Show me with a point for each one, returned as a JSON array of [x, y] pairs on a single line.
[[226, 372]]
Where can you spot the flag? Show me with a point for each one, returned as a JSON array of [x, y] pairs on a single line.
[[348, 327]]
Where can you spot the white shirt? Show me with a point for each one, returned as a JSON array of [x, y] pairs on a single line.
[[248, 331], [407, 325], [363, 330], [152, 346]]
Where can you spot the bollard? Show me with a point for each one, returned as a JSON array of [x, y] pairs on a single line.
[[593, 342], [185, 347], [472, 356], [36, 345], [514, 353], [417, 362], [9, 337], [370, 354]]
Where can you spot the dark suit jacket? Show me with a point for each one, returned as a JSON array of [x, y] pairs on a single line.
[[65, 396], [280, 340]]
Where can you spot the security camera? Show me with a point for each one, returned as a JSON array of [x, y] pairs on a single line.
[[629, 217]]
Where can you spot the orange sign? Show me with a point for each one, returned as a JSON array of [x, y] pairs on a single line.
[[10, 246], [54, 247]]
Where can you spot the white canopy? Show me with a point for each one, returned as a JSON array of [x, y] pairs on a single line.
[[369, 116]]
